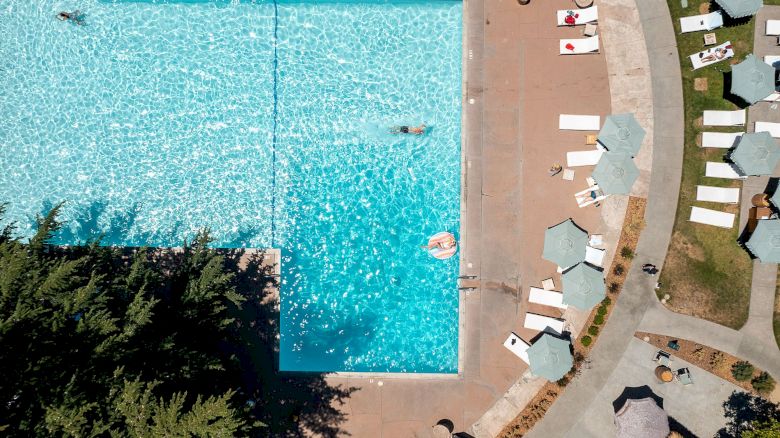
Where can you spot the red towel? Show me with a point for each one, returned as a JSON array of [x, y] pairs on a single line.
[[569, 46]]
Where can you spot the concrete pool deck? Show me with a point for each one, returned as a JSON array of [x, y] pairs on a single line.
[[515, 86]]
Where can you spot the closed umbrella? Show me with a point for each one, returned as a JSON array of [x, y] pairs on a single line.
[[615, 173], [756, 154], [583, 286], [564, 244], [764, 243], [740, 8], [622, 133], [550, 357], [752, 79], [641, 418]]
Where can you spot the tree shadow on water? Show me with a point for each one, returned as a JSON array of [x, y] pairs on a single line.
[[291, 404]]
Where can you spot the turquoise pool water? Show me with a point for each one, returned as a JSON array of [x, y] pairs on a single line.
[[160, 118]]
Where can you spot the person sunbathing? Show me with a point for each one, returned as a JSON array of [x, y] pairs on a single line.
[[717, 55]]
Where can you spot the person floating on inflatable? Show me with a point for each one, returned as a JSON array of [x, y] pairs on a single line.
[[442, 245]]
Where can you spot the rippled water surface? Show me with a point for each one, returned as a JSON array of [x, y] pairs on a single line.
[[156, 119]]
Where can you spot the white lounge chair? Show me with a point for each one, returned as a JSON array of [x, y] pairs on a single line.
[[772, 128], [722, 140], [580, 46], [724, 118], [585, 197], [581, 16], [583, 158], [595, 256], [578, 122], [699, 59], [712, 217], [774, 97], [697, 23], [772, 59], [546, 297], [543, 323], [773, 27], [518, 346], [717, 194], [722, 170], [596, 240]]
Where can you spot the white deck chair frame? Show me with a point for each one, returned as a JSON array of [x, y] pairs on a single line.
[[582, 46], [595, 256], [547, 297], [696, 58], [724, 118], [697, 23], [584, 199], [585, 16], [721, 140], [772, 128], [579, 122], [542, 323], [772, 27], [712, 217], [722, 195], [583, 158], [722, 170], [518, 346]]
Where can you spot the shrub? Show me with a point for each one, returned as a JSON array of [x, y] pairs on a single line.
[[742, 370], [627, 253], [763, 383], [716, 359], [563, 381], [602, 310], [586, 340], [598, 319], [593, 330], [619, 270], [606, 301]]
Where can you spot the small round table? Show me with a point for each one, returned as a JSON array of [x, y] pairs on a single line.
[[583, 3], [664, 374], [441, 431]]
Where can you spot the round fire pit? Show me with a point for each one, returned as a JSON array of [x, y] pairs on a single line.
[[664, 374]]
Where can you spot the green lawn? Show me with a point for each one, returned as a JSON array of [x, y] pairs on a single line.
[[706, 273], [776, 319]]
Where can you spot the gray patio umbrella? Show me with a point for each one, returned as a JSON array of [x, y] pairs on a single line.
[[615, 173], [740, 8], [752, 79], [756, 153], [764, 243], [550, 357], [622, 133], [775, 199], [641, 418], [583, 286], [564, 244]]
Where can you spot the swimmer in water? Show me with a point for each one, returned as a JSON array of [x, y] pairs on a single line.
[[74, 16], [416, 130]]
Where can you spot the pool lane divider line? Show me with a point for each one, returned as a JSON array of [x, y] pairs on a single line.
[[275, 123]]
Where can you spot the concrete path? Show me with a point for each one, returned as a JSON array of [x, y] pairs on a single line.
[[638, 308], [638, 293]]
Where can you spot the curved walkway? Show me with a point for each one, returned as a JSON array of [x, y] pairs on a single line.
[[638, 294], [637, 308]]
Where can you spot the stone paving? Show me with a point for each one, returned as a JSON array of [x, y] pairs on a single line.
[[698, 407]]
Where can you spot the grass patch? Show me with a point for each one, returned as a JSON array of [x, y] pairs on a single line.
[[706, 273]]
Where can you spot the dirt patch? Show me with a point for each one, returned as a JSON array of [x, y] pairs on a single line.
[[698, 122], [707, 358], [704, 8], [700, 84]]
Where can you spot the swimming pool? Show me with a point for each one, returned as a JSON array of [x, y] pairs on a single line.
[[160, 118]]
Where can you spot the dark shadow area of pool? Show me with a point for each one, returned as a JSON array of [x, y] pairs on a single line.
[[292, 405]]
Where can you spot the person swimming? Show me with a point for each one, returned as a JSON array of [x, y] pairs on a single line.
[[416, 130], [75, 16]]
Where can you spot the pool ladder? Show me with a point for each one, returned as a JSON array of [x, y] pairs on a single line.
[[468, 282]]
